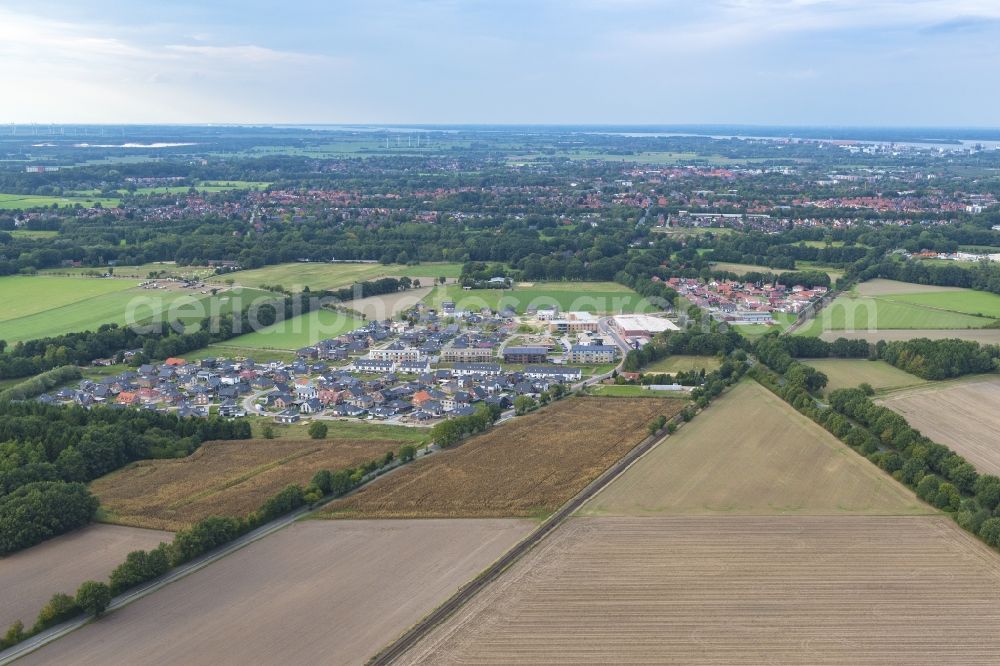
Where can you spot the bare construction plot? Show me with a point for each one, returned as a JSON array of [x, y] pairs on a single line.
[[962, 415], [736, 590], [751, 453], [318, 592], [29, 578]]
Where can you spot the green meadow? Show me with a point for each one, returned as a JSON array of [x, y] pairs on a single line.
[[316, 275], [47, 306], [955, 309], [24, 201], [296, 332], [596, 297]]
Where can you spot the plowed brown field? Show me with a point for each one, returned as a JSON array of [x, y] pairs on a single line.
[[230, 478], [527, 467], [318, 592], [736, 590], [29, 578], [963, 415]]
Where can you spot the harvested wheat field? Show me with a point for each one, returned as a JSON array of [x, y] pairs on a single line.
[[318, 592], [751, 453], [963, 415], [228, 478], [29, 578], [527, 467], [736, 590]]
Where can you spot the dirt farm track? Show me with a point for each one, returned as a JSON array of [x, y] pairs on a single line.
[[736, 590]]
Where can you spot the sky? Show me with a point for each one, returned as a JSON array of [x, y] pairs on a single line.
[[766, 62]]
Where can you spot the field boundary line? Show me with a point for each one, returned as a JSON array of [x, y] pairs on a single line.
[[464, 594]]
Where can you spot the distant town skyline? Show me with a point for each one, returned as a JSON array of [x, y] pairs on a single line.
[[763, 62]]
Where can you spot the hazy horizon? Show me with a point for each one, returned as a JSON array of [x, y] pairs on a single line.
[[806, 63]]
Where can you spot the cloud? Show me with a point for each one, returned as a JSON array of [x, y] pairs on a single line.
[[116, 73]]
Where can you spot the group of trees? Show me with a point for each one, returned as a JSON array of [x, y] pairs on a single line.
[[937, 474], [450, 431], [690, 341], [928, 359], [41, 383], [939, 359], [48, 452], [92, 598]]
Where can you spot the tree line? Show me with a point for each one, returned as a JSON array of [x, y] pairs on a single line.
[[49, 452], [938, 475], [141, 566], [927, 359]]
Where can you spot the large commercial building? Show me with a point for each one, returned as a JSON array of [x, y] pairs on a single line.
[[641, 326]]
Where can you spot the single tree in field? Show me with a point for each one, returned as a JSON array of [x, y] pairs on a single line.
[[93, 597], [317, 430], [268, 432]]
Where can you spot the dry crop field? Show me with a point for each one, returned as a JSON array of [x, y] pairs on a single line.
[[527, 467], [963, 415], [850, 372], [30, 577], [751, 453], [317, 592], [736, 590], [229, 478]]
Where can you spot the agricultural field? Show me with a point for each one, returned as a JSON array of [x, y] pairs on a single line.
[[849, 373], [964, 415], [525, 468], [597, 297], [888, 305], [230, 478], [632, 391], [345, 428], [987, 336], [318, 276], [322, 592], [863, 590], [743, 269], [25, 295], [750, 453], [297, 332], [31, 233], [124, 304], [140, 272], [30, 577], [388, 306], [25, 201], [881, 287], [674, 364]]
